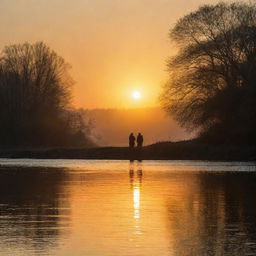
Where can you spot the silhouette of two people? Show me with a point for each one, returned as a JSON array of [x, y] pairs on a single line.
[[139, 140], [135, 154]]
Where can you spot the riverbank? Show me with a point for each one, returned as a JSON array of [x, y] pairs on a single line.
[[183, 150]]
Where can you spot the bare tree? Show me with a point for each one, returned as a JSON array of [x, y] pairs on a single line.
[[35, 91], [212, 83]]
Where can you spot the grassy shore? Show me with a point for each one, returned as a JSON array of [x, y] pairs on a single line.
[[183, 150]]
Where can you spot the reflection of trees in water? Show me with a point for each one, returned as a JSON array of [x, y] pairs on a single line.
[[33, 206], [215, 214]]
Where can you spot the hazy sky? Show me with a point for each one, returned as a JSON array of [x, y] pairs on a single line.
[[113, 46]]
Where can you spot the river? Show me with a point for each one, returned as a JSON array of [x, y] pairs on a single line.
[[118, 208]]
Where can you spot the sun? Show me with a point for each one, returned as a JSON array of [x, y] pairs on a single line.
[[136, 95]]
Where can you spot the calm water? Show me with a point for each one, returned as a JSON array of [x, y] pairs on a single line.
[[114, 208]]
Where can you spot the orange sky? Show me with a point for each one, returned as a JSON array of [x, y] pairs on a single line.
[[114, 46]]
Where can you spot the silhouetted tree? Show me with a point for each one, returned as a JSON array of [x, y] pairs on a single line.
[[34, 97], [212, 84]]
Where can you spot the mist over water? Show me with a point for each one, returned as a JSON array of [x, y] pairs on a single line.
[[81, 207], [113, 126]]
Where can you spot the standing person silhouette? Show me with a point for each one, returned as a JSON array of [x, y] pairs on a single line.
[[139, 140], [131, 141]]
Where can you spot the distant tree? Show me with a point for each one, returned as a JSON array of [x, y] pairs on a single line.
[[35, 91], [212, 81]]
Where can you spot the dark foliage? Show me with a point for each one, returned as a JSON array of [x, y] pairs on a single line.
[[182, 150], [212, 85], [34, 99]]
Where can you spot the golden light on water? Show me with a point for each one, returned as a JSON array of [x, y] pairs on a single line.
[[135, 180], [141, 209], [136, 201]]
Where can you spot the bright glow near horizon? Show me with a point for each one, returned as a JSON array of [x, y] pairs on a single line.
[[136, 95]]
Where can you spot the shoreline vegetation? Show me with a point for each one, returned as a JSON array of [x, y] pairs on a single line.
[[181, 150]]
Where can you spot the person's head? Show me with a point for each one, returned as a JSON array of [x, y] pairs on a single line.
[[131, 133]]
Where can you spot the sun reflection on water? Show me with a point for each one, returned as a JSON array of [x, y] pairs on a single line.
[[136, 202], [127, 211], [136, 182]]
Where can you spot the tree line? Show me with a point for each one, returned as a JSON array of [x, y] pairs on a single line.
[[35, 97]]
